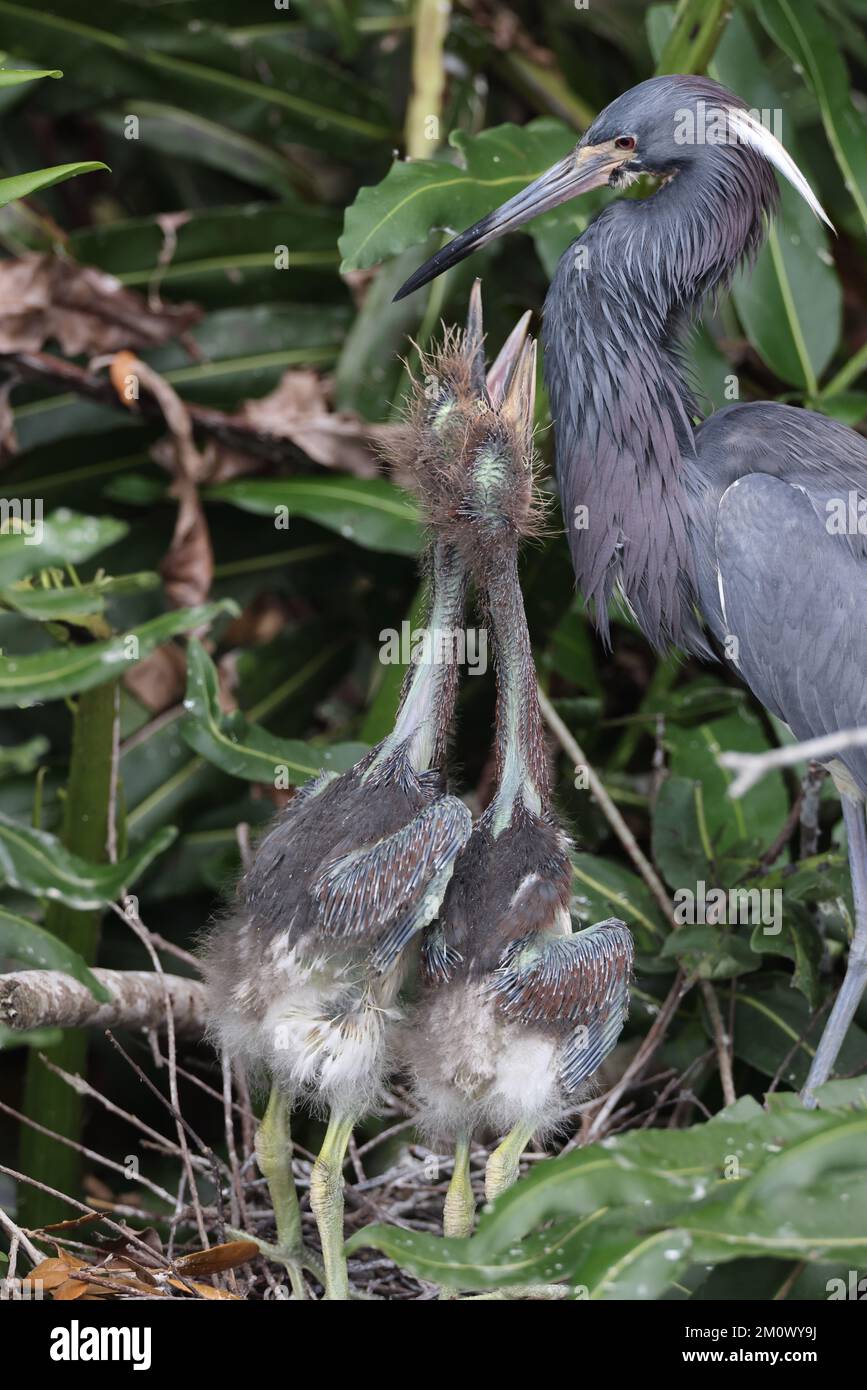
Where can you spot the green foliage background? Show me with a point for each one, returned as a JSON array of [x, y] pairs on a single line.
[[273, 130]]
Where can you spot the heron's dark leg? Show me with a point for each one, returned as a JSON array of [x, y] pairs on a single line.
[[326, 1201], [502, 1167], [855, 979], [274, 1157]]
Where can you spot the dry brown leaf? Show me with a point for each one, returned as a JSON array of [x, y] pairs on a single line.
[[84, 309], [159, 681], [299, 408], [95, 1187], [122, 1248], [73, 1223], [261, 621], [206, 1290], [218, 1258], [54, 1271], [70, 1290], [187, 568]]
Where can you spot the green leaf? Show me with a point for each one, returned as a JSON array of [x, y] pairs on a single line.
[[418, 196], [681, 845], [804, 33], [821, 878], [25, 680], [23, 757], [772, 1021], [694, 36], [571, 651], [303, 98], [36, 948], [799, 942], [13, 77], [370, 511], [849, 407], [242, 749], [168, 129], [37, 863], [220, 252], [71, 602], [604, 888], [39, 1038], [626, 1208], [730, 825], [23, 185], [29, 543], [715, 952]]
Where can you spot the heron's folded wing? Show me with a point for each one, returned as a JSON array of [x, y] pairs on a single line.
[[794, 595], [395, 885]]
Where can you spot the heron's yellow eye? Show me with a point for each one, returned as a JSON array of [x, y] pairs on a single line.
[[625, 142]]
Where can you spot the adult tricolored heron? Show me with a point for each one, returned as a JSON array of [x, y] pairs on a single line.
[[516, 1012], [716, 533]]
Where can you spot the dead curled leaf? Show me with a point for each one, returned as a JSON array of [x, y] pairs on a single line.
[[159, 681], [119, 1272], [218, 1258], [84, 309], [188, 567], [299, 408]]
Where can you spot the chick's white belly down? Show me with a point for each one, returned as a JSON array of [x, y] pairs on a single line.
[[325, 1034], [471, 1067]]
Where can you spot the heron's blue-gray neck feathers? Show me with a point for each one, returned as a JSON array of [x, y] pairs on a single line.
[[615, 316], [427, 703], [522, 768]]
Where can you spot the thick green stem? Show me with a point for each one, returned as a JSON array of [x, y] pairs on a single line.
[[85, 832], [431, 27], [695, 33]]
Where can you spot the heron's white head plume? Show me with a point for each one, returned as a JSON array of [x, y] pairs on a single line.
[[750, 131]]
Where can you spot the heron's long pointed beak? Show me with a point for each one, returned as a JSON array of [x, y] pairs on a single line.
[[586, 168]]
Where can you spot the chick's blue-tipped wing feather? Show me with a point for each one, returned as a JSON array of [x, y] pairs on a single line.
[[395, 885], [582, 979], [438, 958], [562, 979], [590, 1043]]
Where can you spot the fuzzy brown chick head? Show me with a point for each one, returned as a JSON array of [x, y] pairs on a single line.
[[469, 444]]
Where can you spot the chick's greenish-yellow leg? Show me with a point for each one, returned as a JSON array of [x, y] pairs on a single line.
[[459, 1211], [502, 1166], [326, 1202], [274, 1157]]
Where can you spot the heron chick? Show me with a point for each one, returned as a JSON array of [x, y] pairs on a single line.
[[304, 974], [516, 1011]]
